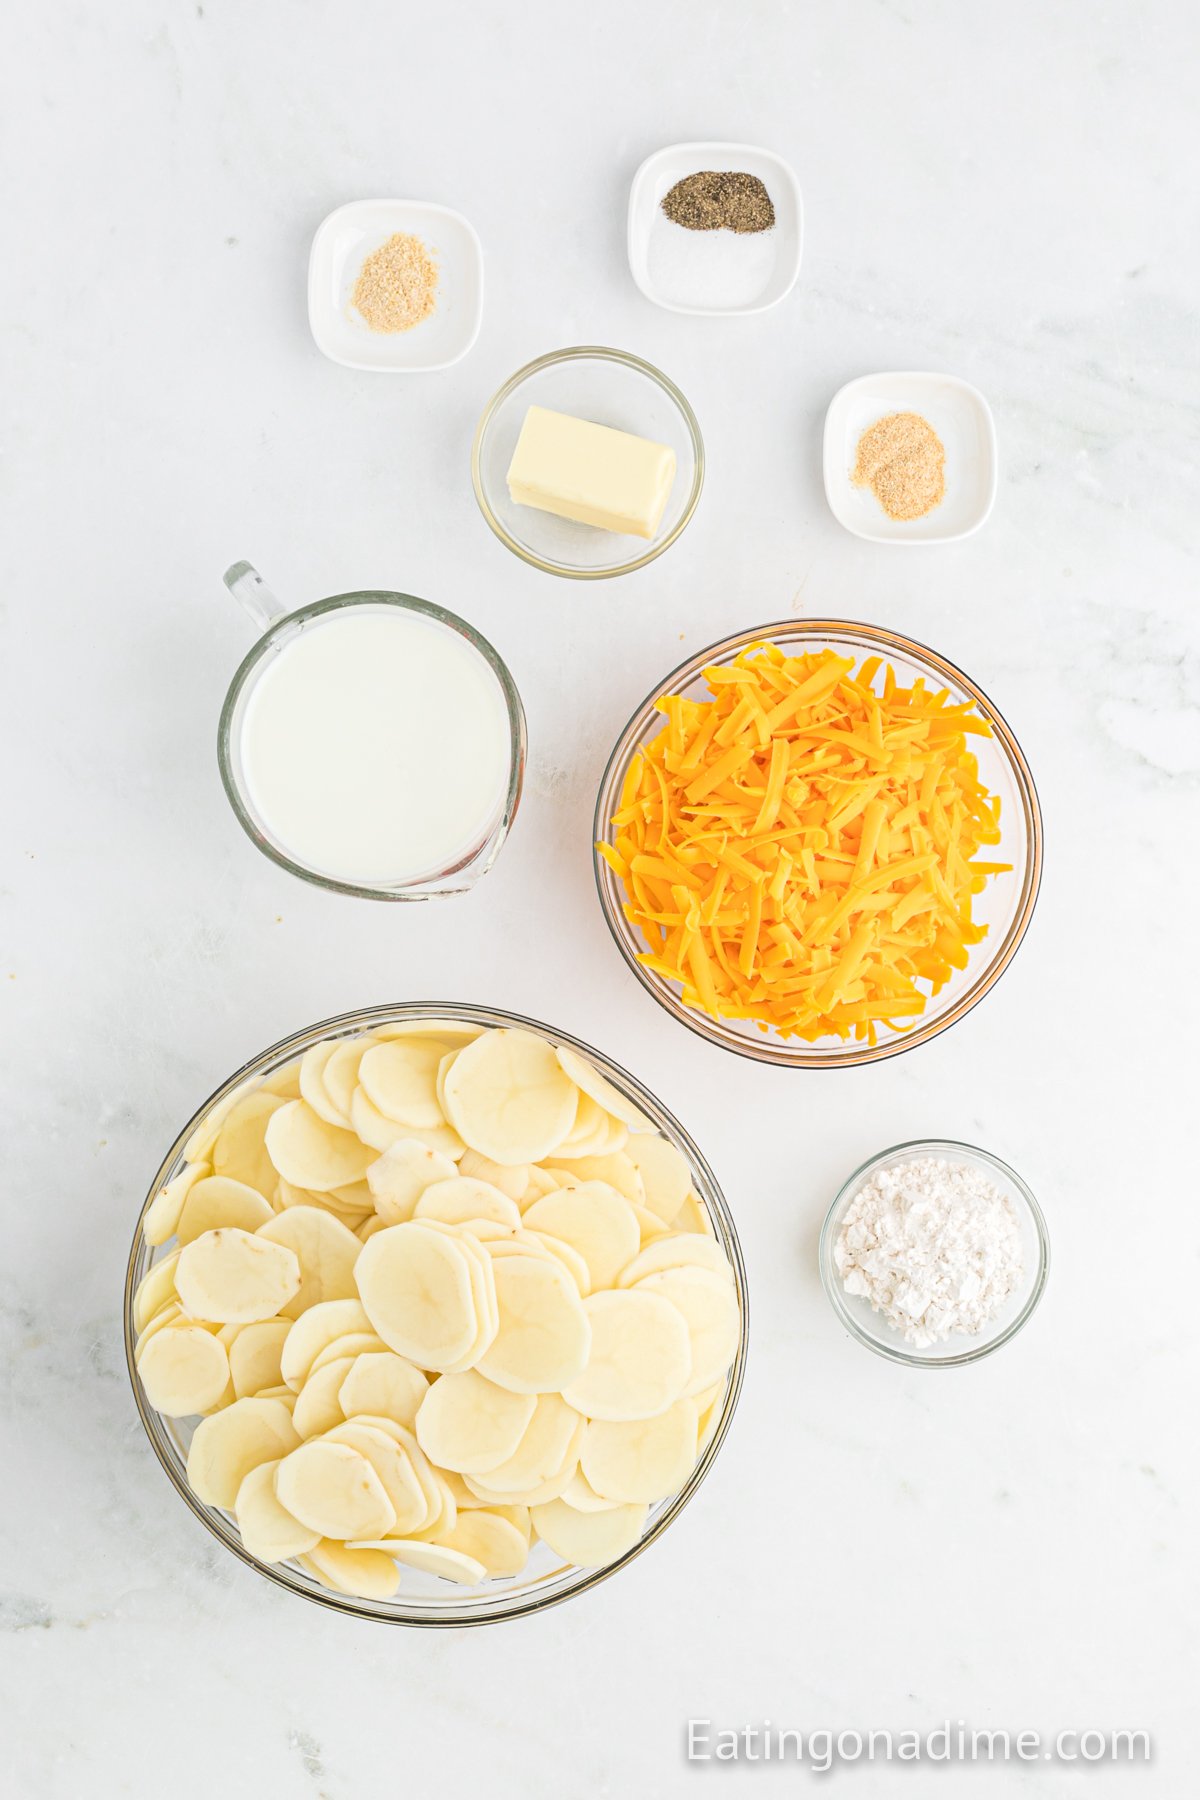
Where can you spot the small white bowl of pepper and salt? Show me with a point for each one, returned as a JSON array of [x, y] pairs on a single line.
[[715, 229], [934, 1253]]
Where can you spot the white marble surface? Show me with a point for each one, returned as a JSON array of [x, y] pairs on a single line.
[[1002, 191]]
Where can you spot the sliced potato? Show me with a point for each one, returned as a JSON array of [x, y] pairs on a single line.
[[462, 1198], [580, 1494], [709, 1405], [693, 1216], [312, 1083], [618, 1170], [240, 1151], [541, 1181], [437, 1559], [153, 1291], [184, 1369], [566, 1253], [162, 1216], [226, 1446], [588, 1538], [353, 1343], [374, 1127], [333, 1489], [518, 1518], [206, 1131], [284, 1081], [166, 1315], [268, 1529], [217, 1200], [649, 1224], [672, 1250], [401, 1175], [451, 1031], [467, 1424], [354, 1196], [483, 1289], [314, 1331], [511, 1178], [235, 1277], [507, 1097], [664, 1170], [394, 1467], [641, 1459], [255, 1355], [439, 1501], [488, 1232], [447, 1516], [543, 1340], [368, 1574], [379, 1381], [708, 1304], [312, 1153], [287, 1194], [326, 1251], [596, 1220], [593, 1133], [340, 1074], [442, 1138], [641, 1357], [445, 1064], [318, 1406], [600, 1089], [501, 1547], [543, 1448], [399, 1078], [415, 1284]]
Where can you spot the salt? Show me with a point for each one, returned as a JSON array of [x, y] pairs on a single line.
[[710, 270]]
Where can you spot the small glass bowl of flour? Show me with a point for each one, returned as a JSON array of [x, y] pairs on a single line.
[[934, 1254]]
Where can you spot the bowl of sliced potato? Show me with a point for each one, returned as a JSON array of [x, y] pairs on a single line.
[[434, 1315]]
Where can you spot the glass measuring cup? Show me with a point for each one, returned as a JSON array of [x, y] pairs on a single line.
[[279, 629]]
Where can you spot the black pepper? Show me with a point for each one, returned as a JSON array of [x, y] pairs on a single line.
[[725, 200]]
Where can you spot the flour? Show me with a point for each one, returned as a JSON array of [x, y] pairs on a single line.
[[934, 1247]]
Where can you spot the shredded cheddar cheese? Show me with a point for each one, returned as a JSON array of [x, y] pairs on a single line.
[[800, 850]]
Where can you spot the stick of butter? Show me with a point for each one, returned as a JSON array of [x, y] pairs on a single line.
[[591, 473]]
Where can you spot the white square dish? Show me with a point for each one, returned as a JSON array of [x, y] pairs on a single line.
[[714, 273], [342, 243], [962, 419]]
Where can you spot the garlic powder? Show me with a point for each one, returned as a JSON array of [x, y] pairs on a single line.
[[933, 1245]]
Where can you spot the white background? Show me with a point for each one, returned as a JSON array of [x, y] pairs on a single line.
[[1003, 191]]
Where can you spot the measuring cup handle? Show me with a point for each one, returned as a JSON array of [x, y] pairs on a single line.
[[252, 593]]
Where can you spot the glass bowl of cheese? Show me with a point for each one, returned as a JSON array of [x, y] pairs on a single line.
[[588, 463], [817, 844], [224, 1167]]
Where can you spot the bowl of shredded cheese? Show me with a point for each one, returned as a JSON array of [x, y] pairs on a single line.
[[817, 844]]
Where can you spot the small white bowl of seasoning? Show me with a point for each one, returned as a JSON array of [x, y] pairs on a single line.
[[934, 1253], [715, 229], [910, 458], [395, 286]]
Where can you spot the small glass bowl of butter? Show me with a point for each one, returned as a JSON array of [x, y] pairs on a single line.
[[588, 463]]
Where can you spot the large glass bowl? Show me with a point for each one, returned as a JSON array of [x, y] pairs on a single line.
[[424, 1599], [610, 387], [1005, 906]]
